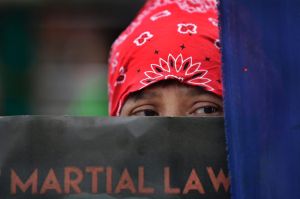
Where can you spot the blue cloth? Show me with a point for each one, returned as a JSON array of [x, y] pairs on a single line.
[[261, 55]]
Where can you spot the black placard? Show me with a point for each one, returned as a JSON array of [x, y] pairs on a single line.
[[105, 158]]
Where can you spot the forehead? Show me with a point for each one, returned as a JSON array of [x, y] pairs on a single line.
[[167, 87]]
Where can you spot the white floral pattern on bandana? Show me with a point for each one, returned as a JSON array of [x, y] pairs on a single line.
[[122, 77], [217, 44], [187, 28], [214, 21], [190, 6], [178, 68], [143, 38], [159, 15], [114, 62]]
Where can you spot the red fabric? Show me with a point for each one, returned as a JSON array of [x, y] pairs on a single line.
[[169, 39]]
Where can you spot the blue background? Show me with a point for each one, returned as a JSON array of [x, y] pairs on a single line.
[[261, 44]]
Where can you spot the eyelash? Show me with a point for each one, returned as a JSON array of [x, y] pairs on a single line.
[[213, 110], [147, 112], [216, 109], [144, 109]]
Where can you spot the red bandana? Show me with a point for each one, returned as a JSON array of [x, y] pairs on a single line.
[[169, 39]]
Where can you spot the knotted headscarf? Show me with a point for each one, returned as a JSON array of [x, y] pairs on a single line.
[[169, 39]]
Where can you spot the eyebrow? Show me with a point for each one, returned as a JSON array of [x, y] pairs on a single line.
[[142, 95], [197, 91], [201, 91]]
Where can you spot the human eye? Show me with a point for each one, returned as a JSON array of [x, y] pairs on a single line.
[[207, 109], [144, 112]]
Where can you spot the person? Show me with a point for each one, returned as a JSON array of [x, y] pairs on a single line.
[[168, 62]]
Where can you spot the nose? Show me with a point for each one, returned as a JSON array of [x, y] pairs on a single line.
[[173, 102], [172, 114], [173, 110]]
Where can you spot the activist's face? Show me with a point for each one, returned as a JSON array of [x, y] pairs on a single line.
[[168, 40], [172, 99]]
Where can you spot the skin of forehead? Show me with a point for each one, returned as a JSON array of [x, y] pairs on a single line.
[[156, 94], [149, 92]]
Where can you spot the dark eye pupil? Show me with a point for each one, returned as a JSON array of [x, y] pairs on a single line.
[[210, 109], [150, 113]]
